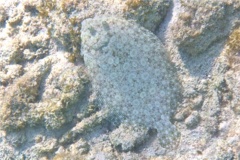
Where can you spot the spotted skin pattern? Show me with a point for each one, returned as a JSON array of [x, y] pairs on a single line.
[[131, 74]]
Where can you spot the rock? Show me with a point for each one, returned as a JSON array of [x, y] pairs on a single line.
[[102, 149], [46, 146], [27, 105], [3, 16], [212, 125], [84, 126], [74, 152], [232, 81], [199, 24], [148, 14], [17, 139], [80, 147], [182, 114], [226, 156], [7, 153], [126, 138], [68, 156], [193, 120], [197, 102]]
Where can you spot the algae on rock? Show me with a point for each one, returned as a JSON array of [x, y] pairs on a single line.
[[199, 24], [30, 102], [148, 13]]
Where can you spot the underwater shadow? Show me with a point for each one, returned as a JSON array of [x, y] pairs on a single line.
[[202, 64]]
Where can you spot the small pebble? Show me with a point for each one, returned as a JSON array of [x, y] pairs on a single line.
[[193, 120]]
